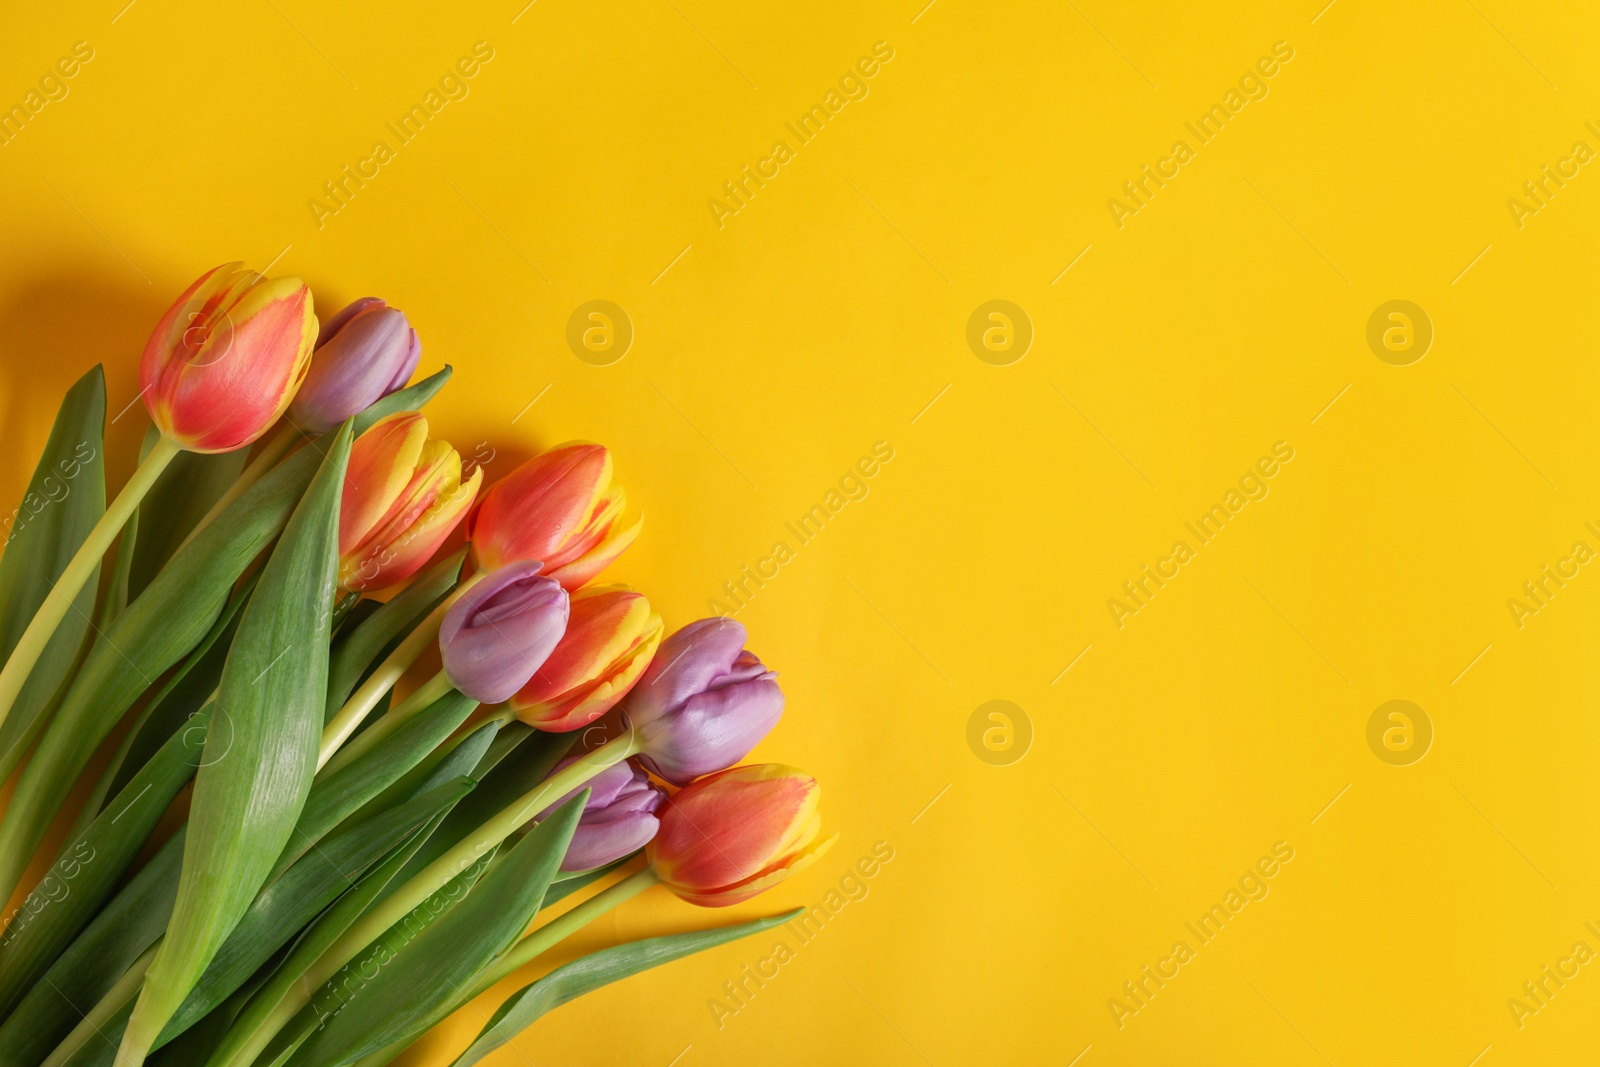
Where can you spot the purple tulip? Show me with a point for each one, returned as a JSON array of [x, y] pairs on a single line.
[[619, 818], [363, 354], [703, 703], [501, 631]]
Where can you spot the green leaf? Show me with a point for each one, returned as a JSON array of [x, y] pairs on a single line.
[[458, 755], [462, 755], [89, 868], [412, 398], [522, 768], [253, 1025], [261, 753], [186, 691], [283, 907], [118, 936], [167, 620], [337, 796], [196, 1044], [414, 989], [63, 501], [524, 1007], [364, 648], [180, 498]]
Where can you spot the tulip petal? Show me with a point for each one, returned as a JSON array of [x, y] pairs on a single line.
[[501, 630], [224, 362], [732, 826], [382, 461]]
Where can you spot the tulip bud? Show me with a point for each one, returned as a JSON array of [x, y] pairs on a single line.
[[501, 630], [403, 494], [225, 360], [611, 635], [728, 837], [703, 703], [559, 507], [363, 354], [619, 818]]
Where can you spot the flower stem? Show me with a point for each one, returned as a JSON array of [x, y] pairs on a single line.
[[271, 452], [524, 951], [398, 904], [559, 929], [398, 716], [115, 1000], [363, 700], [77, 572]]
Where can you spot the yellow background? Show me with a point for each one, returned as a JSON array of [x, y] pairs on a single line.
[[827, 314]]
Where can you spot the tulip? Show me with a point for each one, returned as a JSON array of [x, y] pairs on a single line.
[[559, 507], [218, 370], [225, 360], [363, 354], [619, 818], [726, 838], [703, 703], [501, 630], [403, 494], [611, 636]]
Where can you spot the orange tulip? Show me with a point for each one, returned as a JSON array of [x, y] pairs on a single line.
[[559, 508], [612, 634], [403, 494], [736, 833], [225, 360]]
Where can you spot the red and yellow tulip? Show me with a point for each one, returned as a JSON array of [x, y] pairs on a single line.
[[560, 508], [612, 634], [403, 494], [734, 834], [225, 360]]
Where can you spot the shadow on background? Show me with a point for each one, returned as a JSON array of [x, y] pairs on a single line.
[[51, 332]]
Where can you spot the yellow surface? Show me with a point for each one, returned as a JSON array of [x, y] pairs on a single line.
[[775, 345]]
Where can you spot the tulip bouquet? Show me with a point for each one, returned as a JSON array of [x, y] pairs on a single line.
[[348, 868]]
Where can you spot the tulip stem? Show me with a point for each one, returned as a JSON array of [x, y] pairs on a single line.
[[559, 929], [115, 1000], [525, 951], [399, 903], [398, 716], [364, 699], [77, 572], [275, 449]]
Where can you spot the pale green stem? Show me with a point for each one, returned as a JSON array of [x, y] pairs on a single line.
[[77, 572], [407, 652], [559, 929], [271, 452], [535, 944], [126, 989], [116, 598], [402, 901], [398, 716]]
